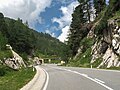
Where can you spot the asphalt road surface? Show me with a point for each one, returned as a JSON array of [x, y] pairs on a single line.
[[71, 78]]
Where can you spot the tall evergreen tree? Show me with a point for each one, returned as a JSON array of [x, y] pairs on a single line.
[[99, 5], [80, 18], [87, 9], [76, 33], [3, 42], [3, 26]]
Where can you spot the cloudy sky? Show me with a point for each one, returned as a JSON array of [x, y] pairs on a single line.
[[48, 16]]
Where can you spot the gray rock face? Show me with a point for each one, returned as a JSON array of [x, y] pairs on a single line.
[[79, 52], [108, 48], [95, 51], [16, 62], [110, 59]]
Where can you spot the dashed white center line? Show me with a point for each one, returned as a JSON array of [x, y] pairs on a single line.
[[100, 82]]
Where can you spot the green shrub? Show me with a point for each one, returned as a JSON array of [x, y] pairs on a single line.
[[101, 26], [85, 58], [5, 54], [86, 43], [2, 71], [97, 62], [3, 41], [114, 68]]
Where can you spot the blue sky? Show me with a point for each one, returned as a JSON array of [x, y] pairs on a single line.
[[54, 12], [48, 16]]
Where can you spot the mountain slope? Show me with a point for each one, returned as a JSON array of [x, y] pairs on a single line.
[[100, 47], [28, 42]]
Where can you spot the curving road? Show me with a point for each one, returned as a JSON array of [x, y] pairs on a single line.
[[37, 82], [71, 78]]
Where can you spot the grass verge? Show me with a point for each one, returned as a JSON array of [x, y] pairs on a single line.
[[114, 68], [5, 54], [14, 80]]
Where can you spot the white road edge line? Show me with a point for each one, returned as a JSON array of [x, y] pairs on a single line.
[[86, 76], [99, 80], [47, 80]]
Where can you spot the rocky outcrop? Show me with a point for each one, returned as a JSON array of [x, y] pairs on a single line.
[[108, 47], [79, 52], [15, 62], [110, 59]]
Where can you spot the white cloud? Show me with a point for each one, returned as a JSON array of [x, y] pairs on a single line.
[[54, 28], [65, 1], [30, 10], [63, 36], [25, 9], [49, 32], [65, 20]]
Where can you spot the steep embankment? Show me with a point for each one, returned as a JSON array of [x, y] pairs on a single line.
[[106, 47], [101, 46]]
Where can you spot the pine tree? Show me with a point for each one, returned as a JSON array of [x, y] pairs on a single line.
[[76, 33], [78, 30], [87, 9], [99, 5]]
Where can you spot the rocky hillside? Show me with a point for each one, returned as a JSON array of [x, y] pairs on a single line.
[[107, 46], [100, 46]]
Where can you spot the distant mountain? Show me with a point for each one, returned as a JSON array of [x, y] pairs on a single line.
[[28, 42]]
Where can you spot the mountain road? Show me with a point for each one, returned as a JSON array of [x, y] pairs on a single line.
[[72, 78]]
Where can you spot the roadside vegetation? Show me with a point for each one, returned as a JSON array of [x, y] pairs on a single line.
[[14, 80], [27, 43], [114, 68], [84, 32]]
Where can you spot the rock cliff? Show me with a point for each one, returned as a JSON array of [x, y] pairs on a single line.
[[107, 47], [15, 62]]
